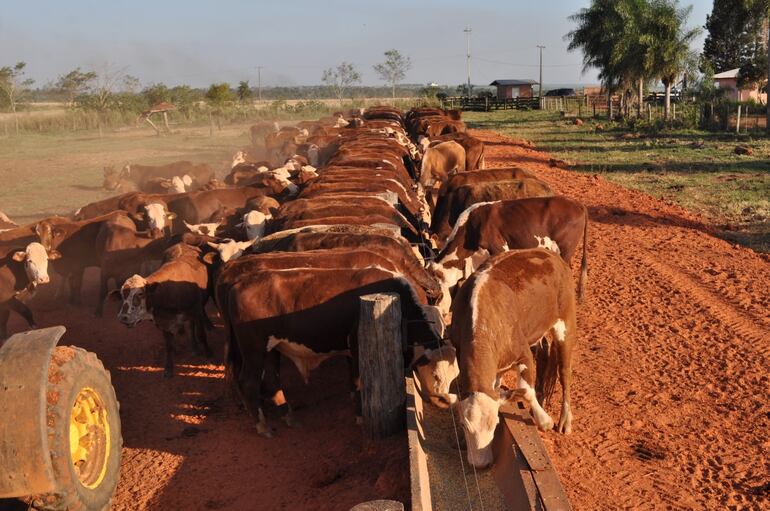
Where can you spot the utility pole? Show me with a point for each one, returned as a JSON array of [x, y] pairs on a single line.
[[540, 85], [259, 82], [468, 57]]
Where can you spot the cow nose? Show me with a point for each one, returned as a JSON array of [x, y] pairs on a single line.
[[45, 279]]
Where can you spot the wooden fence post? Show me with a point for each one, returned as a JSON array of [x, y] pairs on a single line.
[[738, 121], [381, 365]]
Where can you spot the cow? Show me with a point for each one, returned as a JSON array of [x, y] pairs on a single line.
[[102, 207], [467, 195], [41, 231], [308, 315], [260, 130], [500, 313], [21, 270], [439, 161], [390, 245], [173, 297], [474, 148], [141, 174], [489, 229]]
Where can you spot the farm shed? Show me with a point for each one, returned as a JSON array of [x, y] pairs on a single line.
[[507, 89], [728, 81]]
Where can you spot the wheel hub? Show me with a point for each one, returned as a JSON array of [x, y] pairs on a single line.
[[89, 438]]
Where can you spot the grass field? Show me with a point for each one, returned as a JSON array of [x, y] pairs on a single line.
[[55, 174], [698, 170]]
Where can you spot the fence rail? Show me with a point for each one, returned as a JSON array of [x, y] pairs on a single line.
[[490, 103]]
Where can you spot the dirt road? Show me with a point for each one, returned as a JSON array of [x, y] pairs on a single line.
[[672, 392], [671, 395]]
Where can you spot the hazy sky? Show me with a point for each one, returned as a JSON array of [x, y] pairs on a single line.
[[202, 41]]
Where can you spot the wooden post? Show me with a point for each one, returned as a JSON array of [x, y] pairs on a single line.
[[379, 505], [165, 122], [211, 125], [649, 112], [673, 111], [381, 365], [738, 121]]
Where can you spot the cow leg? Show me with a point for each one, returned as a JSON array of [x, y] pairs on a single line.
[[250, 379], [76, 282], [15, 305], [199, 332], [168, 370], [271, 386], [541, 350], [4, 313], [526, 380], [103, 285], [565, 334]]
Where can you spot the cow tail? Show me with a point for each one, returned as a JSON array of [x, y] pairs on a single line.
[[551, 368], [584, 263]]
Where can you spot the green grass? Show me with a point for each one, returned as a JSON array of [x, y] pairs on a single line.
[[697, 169]]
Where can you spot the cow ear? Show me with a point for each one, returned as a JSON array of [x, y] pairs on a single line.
[[53, 255], [210, 257], [215, 246], [165, 184], [19, 256], [171, 216], [139, 217], [115, 295]]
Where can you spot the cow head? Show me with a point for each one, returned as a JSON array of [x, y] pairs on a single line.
[[133, 292], [479, 418], [180, 184], [238, 158], [156, 216], [436, 370], [112, 178], [254, 224], [447, 277], [306, 173], [230, 249], [313, 155], [35, 259]]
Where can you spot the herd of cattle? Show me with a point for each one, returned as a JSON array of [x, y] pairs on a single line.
[[308, 219]]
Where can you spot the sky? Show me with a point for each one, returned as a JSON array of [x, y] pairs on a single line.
[[198, 42]]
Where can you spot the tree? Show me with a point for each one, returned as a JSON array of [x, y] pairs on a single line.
[[670, 48], [74, 83], [243, 91], [394, 69], [14, 86], [735, 35], [156, 93], [106, 84], [341, 78], [763, 7], [219, 93]]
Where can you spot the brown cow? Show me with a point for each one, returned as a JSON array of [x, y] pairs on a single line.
[[467, 195], [439, 161], [555, 223], [308, 315], [499, 314], [173, 297], [140, 174], [474, 148]]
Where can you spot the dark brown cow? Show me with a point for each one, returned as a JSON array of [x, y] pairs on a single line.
[[307, 315], [21, 270], [173, 297], [467, 195], [555, 223], [102, 207], [499, 314]]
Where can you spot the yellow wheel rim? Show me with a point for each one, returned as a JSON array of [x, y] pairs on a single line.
[[89, 438]]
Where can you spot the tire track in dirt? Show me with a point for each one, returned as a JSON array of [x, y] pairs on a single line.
[[671, 379]]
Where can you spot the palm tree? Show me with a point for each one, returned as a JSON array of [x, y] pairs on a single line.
[[671, 41]]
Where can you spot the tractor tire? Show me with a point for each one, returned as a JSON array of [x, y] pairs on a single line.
[[84, 437]]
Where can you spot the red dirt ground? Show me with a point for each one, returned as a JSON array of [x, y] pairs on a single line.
[[670, 395]]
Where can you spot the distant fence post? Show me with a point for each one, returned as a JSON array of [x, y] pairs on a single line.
[[381, 365], [738, 121]]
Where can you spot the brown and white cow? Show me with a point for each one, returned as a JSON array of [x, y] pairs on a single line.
[[139, 175], [499, 314], [20, 270], [488, 229], [173, 297], [465, 196], [308, 315]]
